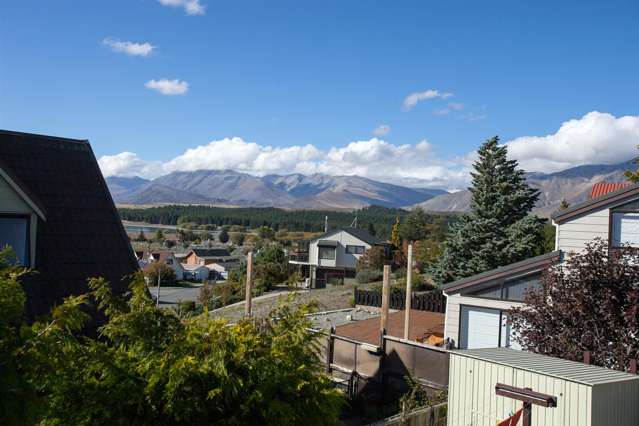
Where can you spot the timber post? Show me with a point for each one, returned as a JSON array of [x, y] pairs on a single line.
[[409, 291], [248, 308], [385, 299]]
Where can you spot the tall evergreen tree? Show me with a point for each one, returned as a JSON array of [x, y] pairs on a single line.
[[499, 229]]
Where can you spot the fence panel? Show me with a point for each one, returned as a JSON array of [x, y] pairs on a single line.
[[432, 301]]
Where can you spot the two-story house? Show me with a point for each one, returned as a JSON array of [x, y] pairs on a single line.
[[162, 256], [333, 255], [477, 306], [57, 215]]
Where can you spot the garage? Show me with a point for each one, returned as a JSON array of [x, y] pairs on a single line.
[[480, 328]]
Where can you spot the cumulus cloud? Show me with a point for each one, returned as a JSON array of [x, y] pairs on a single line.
[[128, 164], [129, 47], [411, 100], [168, 87], [595, 138], [416, 164], [382, 130], [191, 7]]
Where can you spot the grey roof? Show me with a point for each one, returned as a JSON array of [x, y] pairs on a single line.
[[542, 364], [327, 243], [213, 252], [537, 263], [356, 232], [611, 198]]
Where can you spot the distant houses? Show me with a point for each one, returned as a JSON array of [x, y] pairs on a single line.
[[197, 264], [58, 216]]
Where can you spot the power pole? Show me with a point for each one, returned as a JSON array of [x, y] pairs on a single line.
[[409, 291], [157, 294], [249, 284]]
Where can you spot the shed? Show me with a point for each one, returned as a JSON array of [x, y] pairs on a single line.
[[586, 395]]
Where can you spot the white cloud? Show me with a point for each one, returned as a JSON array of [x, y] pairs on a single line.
[[129, 164], [595, 138], [411, 100], [191, 7], [128, 47], [374, 158], [168, 87], [382, 130]]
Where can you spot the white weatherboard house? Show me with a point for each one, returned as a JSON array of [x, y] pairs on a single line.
[[477, 307], [334, 255]]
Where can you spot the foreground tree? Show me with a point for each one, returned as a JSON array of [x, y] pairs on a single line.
[[499, 228], [149, 367], [590, 303], [159, 269]]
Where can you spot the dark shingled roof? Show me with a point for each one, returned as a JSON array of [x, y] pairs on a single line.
[[213, 252], [356, 232], [533, 264], [82, 236]]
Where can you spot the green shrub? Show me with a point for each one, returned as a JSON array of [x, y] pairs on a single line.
[[186, 306], [368, 276]]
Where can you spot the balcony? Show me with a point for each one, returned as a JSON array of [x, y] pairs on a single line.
[[298, 257]]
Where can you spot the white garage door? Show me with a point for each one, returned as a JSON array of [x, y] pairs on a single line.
[[480, 328]]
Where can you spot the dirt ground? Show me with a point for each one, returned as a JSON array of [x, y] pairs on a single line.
[[328, 299]]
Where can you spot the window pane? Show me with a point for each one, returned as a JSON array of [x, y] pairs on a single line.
[[327, 253], [514, 290], [355, 249], [13, 232], [625, 229]]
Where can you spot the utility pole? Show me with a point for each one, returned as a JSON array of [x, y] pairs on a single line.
[[385, 299], [409, 291], [249, 284], [157, 294], [325, 224]]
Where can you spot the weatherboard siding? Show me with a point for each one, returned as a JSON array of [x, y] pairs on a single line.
[[453, 308], [342, 259], [12, 203], [573, 235]]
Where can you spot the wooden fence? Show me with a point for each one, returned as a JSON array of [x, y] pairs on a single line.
[[380, 371], [433, 301]]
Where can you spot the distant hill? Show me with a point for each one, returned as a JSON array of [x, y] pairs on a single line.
[[296, 191], [572, 184]]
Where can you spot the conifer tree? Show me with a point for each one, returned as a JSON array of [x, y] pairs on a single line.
[[498, 230], [395, 238]]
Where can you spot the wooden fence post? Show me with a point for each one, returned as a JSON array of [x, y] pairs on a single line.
[[633, 366], [330, 350], [248, 309], [586, 357], [385, 298], [409, 291]]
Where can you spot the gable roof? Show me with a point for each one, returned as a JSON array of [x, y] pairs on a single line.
[[212, 252], [619, 196], [358, 233], [82, 236], [534, 264], [602, 188]]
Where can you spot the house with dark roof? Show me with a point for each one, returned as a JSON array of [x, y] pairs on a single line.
[[58, 216], [333, 255], [477, 306], [207, 256]]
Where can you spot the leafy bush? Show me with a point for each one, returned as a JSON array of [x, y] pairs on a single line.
[[368, 276], [150, 367], [185, 306], [167, 275]]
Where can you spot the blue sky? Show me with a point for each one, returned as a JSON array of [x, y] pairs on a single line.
[[302, 85]]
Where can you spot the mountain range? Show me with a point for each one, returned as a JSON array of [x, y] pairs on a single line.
[[294, 191], [572, 184], [319, 191]]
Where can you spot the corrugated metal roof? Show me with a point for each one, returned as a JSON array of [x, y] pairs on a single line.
[[602, 188], [623, 195], [556, 367]]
